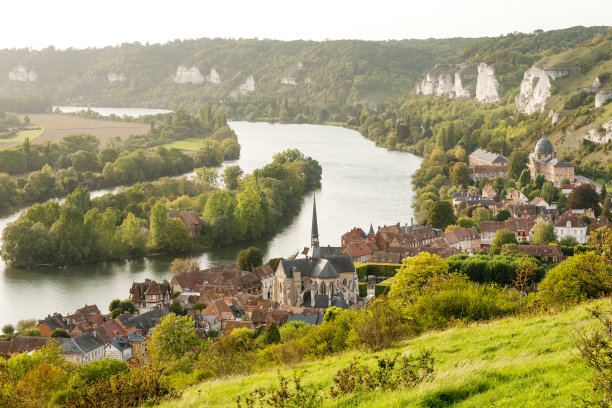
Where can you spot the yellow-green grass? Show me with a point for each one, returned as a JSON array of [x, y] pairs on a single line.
[[192, 143], [21, 136], [513, 362]]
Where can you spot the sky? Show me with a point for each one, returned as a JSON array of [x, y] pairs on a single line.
[[87, 23]]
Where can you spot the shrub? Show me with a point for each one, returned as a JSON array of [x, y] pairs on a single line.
[[388, 375], [380, 324], [289, 394], [363, 289]]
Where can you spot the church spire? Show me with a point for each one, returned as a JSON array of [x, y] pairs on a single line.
[[315, 250]]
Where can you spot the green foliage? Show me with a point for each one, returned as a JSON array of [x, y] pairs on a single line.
[[372, 269], [272, 335], [580, 277], [441, 214], [502, 237], [290, 394], [363, 289], [172, 340], [250, 258], [414, 274], [544, 233], [60, 333], [380, 324], [497, 269], [390, 374]]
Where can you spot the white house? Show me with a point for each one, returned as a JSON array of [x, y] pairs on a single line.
[[571, 225], [83, 349], [119, 349]]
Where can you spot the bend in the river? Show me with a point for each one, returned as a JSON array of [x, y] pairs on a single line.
[[361, 184]]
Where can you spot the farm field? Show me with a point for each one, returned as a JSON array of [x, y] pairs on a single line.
[[32, 134], [480, 365], [192, 144], [56, 126]]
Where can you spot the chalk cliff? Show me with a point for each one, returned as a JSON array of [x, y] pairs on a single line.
[[214, 77], [601, 137], [116, 77], [247, 86], [22, 74], [602, 97], [188, 75], [535, 89], [487, 86]]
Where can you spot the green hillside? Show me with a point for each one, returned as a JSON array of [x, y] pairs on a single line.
[[480, 365]]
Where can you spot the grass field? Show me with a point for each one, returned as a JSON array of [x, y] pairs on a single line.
[[529, 362], [32, 134], [192, 143]]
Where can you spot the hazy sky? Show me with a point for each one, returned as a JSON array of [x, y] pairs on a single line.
[[83, 23]]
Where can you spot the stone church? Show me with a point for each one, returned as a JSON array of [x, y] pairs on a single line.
[[316, 280], [543, 160]]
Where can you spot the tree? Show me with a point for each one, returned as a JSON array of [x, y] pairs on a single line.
[[583, 196], [159, 229], [460, 175], [525, 178], [550, 193], [183, 265], [231, 176], [502, 215], [199, 306], [502, 237], [250, 258], [25, 324], [517, 162], [173, 338], [208, 176], [8, 330], [272, 335], [544, 233], [59, 332], [481, 214], [31, 331], [178, 236], [177, 308], [414, 274], [440, 214]]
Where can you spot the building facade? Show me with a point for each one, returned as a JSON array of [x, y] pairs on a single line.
[[543, 160]]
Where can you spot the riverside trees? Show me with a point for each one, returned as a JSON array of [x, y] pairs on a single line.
[[135, 221]]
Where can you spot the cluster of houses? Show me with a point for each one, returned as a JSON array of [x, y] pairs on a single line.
[[93, 335]]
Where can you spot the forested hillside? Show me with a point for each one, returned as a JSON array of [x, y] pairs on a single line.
[[331, 72]]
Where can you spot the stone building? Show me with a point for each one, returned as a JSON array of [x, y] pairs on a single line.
[[543, 160], [317, 280]]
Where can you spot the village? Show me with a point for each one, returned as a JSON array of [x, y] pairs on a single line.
[[223, 298]]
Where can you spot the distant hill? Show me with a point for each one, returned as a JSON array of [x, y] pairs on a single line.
[[193, 72]]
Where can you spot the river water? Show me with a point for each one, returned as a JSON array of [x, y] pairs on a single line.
[[361, 184]]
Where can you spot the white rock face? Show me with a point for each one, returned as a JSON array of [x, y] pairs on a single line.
[[445, 85], [554, 117], [114, 77], [248, 86], [188, 75], [602, 97], [21, 74], [487, 86], [535, 89], [596, 83], [460, 92], [605, 137], [214, 77], [288, 80]]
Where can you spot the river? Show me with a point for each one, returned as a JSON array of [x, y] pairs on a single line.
[[361, 184]]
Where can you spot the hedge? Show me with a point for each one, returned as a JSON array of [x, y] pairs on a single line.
[[363, 289], [387, 270], [383, 287], [499, 269]]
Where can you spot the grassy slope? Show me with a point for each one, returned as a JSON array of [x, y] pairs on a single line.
[[513, 362], [32, 134]]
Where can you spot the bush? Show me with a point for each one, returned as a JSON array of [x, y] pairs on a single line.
[[377, 270], [380, 324], [388, 375], [289, 394], [363, 289]]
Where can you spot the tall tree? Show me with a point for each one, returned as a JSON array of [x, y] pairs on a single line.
[[440, 215], [460, 176], [517, 162], [584, 196], [502, 237]]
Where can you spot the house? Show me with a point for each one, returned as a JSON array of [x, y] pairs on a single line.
[[191, 219], [316, 279], [487, 165], [265, 274], [308, 318], [522, 227], [490, 193], [354, 235], [571, 225], [360, 251], [548, 253], [385, 257], [566, 189], [465, 240], [86, 320], [83, 349], [598, 223], [137, 342], [144, 323], [543, 160], [52, 322], [148, 294], [119, 349], [23, 344], [110, 330], [221, 310], [516, 197]]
